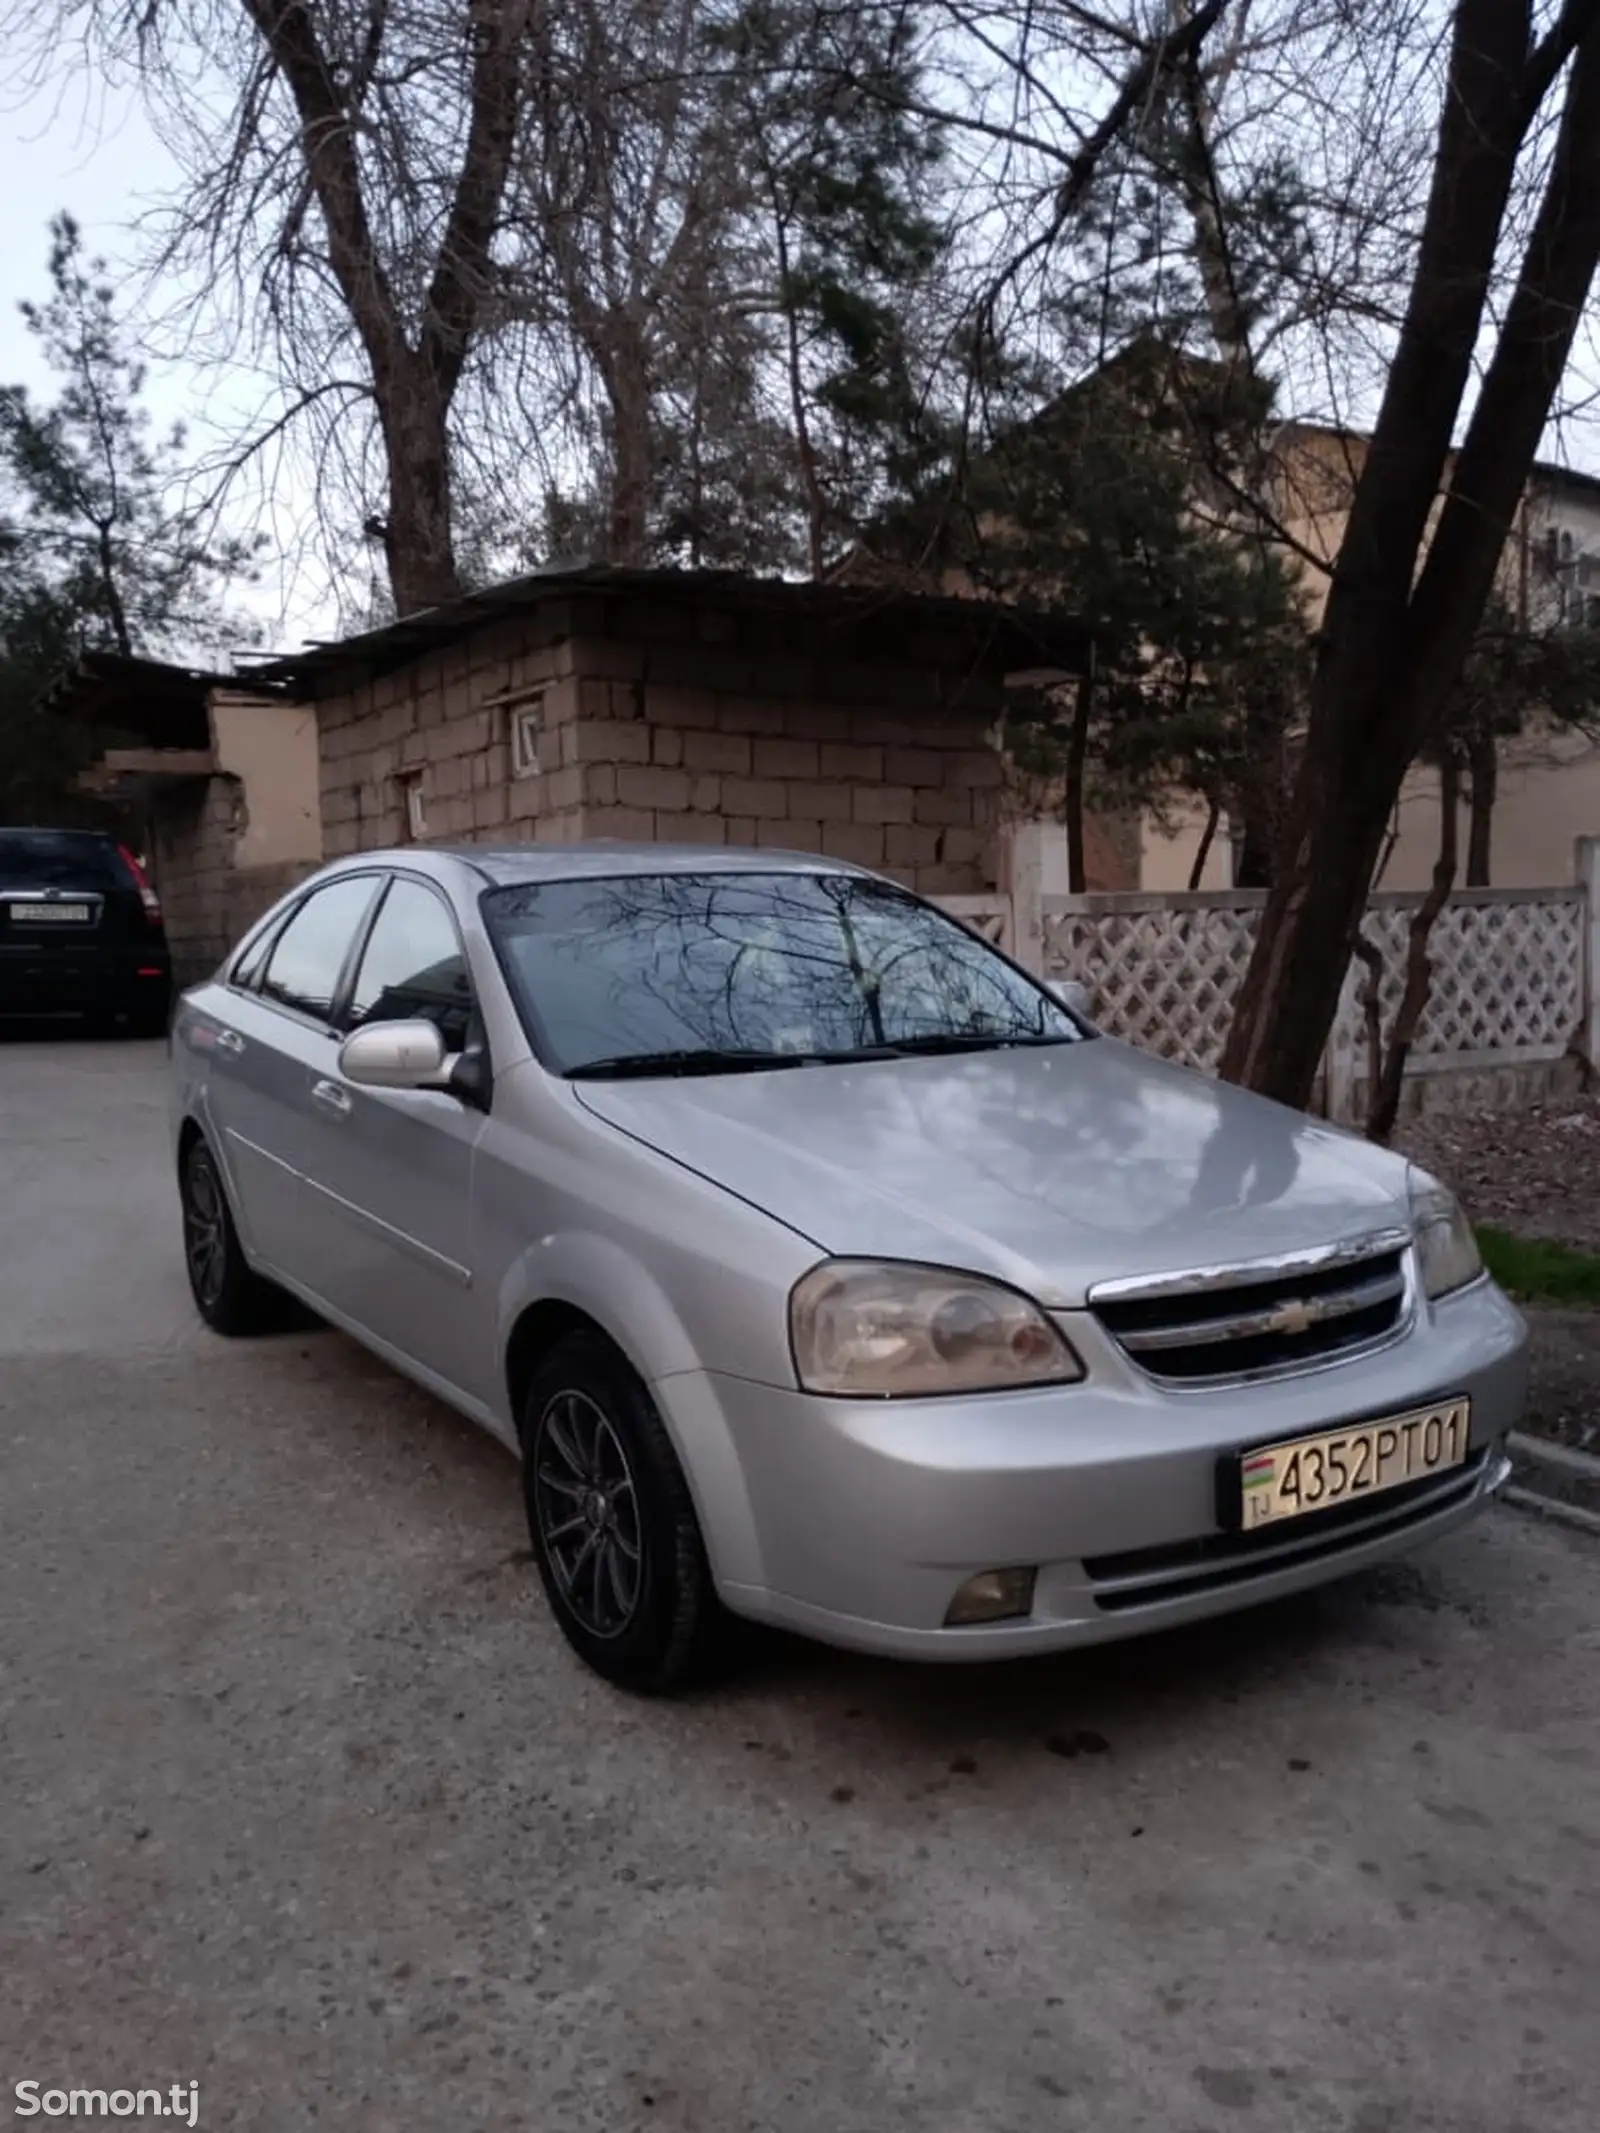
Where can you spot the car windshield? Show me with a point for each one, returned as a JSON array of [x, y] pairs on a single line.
[[716, 972]]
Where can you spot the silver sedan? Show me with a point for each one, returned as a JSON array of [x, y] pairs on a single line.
[[821, 1265]]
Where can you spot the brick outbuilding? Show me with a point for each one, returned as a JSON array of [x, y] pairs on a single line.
[[689, 707]]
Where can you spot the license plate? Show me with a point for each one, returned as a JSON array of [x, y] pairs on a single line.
[[1315, 1473], [49, 914]]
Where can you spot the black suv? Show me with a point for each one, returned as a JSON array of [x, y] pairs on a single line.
[[80, 931]]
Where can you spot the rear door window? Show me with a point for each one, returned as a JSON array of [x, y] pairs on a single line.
[[309, 955], [414, 968]]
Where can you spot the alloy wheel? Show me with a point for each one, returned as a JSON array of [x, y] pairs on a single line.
[[205, 1235], [587, 1511]]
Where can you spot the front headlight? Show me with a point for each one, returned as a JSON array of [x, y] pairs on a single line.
[[1447, 1251], [869, 1329]]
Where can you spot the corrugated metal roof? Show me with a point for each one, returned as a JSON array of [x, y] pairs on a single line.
[[162, 703], [1000, 636]]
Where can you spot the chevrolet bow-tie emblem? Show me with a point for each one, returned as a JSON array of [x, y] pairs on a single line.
[[1295, 1316]]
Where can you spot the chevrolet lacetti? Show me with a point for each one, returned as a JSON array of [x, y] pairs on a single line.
[[824, 1267]]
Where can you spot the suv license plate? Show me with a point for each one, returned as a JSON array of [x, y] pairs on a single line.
[[1315, 1473], [49, 914]]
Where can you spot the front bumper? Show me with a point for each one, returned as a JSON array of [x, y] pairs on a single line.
[[855, 1521]]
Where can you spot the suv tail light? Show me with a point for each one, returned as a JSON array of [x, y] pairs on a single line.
[[147, 895]]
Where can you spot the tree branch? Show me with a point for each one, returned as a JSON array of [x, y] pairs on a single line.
[[461, 275]]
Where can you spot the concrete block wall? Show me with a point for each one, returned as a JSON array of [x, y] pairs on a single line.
[[664, 722], [193, 830], [207, 900], [443, 720]]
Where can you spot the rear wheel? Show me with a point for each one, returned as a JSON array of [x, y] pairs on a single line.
[[613, 1529], [229, 1297]]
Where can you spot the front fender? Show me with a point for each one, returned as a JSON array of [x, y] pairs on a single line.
[[610, 1285], [607, 1283]]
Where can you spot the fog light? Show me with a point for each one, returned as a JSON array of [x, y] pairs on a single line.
[[992, 1596]]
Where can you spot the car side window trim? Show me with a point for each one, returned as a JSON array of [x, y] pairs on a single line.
[[347, 983], [262, 936], [327, 1025], [350, 969]]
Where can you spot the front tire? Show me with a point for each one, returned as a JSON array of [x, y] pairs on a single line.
[[613, 1528], [230, 1298]]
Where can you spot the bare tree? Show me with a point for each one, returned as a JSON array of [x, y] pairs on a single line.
[[347, 194], [1402, 607], [629, 251]]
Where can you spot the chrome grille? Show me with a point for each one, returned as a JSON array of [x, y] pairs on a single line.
[[1258, 1321]]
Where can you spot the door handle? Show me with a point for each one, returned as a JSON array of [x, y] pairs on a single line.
[[229, 1040], [331, 1096]]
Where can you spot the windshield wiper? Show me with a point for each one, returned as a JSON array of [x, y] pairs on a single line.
[[969, 1041], [648, 1066], [641, 1066]]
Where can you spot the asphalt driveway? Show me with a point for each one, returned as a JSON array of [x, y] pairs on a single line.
[[302, 1799]]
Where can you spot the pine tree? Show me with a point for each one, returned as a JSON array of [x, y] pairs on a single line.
[[95, 552], [841, 175]]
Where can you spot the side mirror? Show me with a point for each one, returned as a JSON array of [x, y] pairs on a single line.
[[1073, 994], [395, 1055]]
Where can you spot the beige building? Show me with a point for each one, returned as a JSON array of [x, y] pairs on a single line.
[[689, 707], [1548, 792], [224, 779]]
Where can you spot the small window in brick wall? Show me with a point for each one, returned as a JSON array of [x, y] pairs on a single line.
[[413, 808], [527, 730]]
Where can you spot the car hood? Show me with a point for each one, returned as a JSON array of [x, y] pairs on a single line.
[[1051, 1168]]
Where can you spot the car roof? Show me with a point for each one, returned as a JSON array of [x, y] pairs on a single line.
[[509, 864]]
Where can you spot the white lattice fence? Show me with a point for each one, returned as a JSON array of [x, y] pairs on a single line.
[[989, 916], [1507, 971], [1163, 971]]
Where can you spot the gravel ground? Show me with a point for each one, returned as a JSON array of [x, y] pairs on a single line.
[[305, 1801], [1564, 1390], [1537, 1173]]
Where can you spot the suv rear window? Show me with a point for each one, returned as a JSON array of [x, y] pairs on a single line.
[[59, 859]]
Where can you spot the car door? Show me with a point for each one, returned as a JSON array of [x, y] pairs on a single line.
[[393, 1183], [276, 1040]]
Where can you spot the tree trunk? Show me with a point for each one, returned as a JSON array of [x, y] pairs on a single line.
[[1077, 760], [632, 485], [1389, 654], [1484, 761], [1253, 868], [805, 450], [1383, 1106], [414, 377], [116, 613], [1202, 851], [1371, 957], [1260, 797], [418, 542]]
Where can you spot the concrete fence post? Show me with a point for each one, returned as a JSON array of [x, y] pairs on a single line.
[[1022, 879], [1586, 872]]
